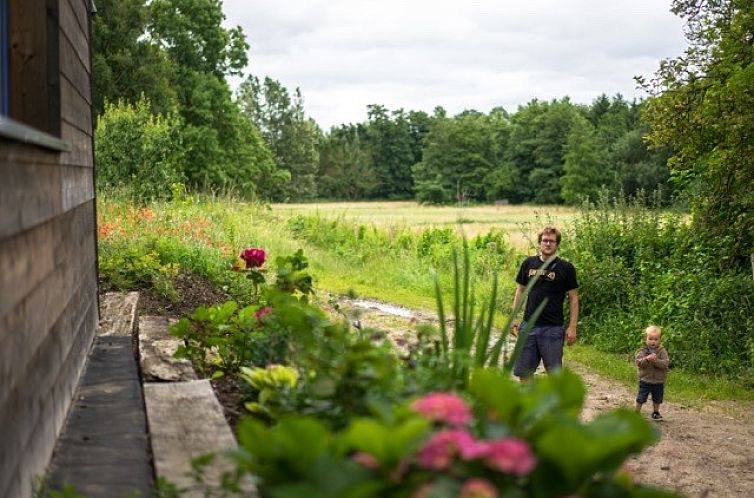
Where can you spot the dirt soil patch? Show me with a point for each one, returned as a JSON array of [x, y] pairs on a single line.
[[194, 291]]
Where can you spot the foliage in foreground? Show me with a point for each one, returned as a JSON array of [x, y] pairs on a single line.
[[511, 440]]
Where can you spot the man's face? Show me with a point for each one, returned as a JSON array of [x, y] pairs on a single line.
[[548, 245]]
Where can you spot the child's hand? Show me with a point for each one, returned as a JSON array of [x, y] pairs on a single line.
[[652, 357]]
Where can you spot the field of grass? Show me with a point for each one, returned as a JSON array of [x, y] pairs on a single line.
[[521, 222]]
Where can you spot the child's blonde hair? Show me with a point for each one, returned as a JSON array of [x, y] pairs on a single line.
[[653, 328]]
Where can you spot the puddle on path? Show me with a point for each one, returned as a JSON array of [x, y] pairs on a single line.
[[384, 307]]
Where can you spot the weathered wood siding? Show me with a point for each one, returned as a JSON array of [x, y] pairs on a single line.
[[48, 285]]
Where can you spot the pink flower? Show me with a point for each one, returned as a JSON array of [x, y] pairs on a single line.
[[365, 459], [443, 407], [254, 257], [262, 312], [478, 488], [509, 455], [438, 453]]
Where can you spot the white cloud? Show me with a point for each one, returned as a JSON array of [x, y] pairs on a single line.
[[418, 54]]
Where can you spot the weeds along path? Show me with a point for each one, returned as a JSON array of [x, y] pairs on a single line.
[[705, 452]]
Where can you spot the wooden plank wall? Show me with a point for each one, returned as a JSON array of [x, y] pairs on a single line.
[[48, 284]]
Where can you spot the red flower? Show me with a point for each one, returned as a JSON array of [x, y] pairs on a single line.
[[262, 312], [254, 257], [366, 459]]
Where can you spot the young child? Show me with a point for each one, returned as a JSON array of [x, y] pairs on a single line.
[[652, 361]]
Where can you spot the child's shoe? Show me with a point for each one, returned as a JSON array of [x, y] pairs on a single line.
[[656, 416]]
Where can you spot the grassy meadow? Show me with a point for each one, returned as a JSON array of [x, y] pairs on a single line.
[[520, 222]]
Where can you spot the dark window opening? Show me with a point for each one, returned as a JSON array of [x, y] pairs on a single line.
[[30, 65]]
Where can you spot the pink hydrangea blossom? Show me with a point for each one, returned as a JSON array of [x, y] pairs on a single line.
[[254, 257], [510, 455], [440, 450], [477, 487], [443, 407]]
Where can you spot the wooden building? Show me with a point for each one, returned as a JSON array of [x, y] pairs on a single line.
[[48, 281]]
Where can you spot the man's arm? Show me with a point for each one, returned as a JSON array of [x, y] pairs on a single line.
[[573, 309], [516, 300]]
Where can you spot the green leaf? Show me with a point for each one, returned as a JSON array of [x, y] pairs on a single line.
[[498, 393], [579, 451], [389, 444]]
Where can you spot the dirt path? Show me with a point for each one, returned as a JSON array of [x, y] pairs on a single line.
[[701, 453]]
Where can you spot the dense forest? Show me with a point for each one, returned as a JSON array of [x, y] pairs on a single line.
[[160, 72]]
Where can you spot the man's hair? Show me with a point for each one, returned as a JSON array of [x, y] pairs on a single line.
[[551, 230], [653, 328]]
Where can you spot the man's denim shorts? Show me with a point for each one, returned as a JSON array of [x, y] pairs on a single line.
[[544, 343], [645, 388]]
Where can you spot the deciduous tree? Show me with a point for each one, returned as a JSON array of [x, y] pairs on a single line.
[[703, 107]]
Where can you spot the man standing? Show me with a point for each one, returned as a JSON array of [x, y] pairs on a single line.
[[556, 280]]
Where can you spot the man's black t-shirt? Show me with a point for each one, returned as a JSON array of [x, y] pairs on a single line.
[[555, 281]]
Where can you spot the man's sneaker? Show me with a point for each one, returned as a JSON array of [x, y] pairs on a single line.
[[656, 416]]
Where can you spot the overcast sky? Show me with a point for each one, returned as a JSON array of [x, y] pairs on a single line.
[[464, 54]]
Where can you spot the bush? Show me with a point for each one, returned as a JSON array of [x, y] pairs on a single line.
[[433, 246], [138, 152], [638, 265], [138, 265]]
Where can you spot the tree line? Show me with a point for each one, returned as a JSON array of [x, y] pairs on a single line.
[[168, 118]]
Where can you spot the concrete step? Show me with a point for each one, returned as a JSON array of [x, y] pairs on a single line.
[[121, 433], [156, 349], [103, 450], [118, 314], [185, 418], [186, 421]]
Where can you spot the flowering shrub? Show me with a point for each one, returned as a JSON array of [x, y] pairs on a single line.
[[222, 338], [343, 373], [509, 440]]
